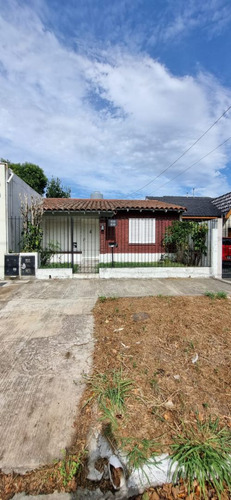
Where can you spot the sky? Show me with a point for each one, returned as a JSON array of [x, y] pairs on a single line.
[[108, 94]]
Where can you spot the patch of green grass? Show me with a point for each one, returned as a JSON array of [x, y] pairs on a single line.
[[203, 452], [70, 465], [111, 390], [141, 264], [218, 295]]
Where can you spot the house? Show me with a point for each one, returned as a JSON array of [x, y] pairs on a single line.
[[87, 232], [223, 203], [199, 208], [12, 191]]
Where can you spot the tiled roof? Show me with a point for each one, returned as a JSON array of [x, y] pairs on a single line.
[[93, 205], [197, 206], [223, 202]]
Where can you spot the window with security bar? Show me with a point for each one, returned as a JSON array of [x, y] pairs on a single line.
[[142, 231]]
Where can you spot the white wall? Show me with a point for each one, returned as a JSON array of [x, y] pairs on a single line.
[[45, 274], [155, 272], [3, 218], [11, 188]]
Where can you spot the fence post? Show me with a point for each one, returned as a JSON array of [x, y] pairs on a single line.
[[72, 244], [216, 250]]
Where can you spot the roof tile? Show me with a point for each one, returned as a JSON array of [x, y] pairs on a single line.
[[95, 205]]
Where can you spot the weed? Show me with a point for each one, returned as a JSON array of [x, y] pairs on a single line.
[[134, 364], [102, 298], [203, 451], [69, 466], [140, 452], [155, 411], [155, 385], [221, 295], [116, 309], [190, 346], [205, 405], [211, 295], [111, 390], [218, 295]]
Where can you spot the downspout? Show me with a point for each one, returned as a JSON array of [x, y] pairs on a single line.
[[8, 203]]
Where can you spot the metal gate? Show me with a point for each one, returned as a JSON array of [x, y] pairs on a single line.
[[71, 241]]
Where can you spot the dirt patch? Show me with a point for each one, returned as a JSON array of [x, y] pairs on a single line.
[[177, 354]]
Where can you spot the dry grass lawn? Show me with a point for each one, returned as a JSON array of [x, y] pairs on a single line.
[[176, 350]]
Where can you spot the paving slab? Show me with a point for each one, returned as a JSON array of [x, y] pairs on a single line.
[[46, 342], [45, 345]]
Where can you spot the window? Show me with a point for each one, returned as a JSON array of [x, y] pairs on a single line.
[[142, 231]]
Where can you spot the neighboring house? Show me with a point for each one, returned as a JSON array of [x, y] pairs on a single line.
[[93, 229], [199, 208], [12, 191], [223, 203]]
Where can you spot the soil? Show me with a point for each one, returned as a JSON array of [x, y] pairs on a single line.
[[176, 351]]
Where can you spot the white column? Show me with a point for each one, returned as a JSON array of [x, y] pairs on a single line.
[[216, 250]]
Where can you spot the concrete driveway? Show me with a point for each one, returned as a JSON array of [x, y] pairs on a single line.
[[46, 342]]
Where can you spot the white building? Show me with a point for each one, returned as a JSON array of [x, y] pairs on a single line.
[[12, 190]]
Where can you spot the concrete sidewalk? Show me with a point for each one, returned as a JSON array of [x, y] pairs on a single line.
[[46, 342]]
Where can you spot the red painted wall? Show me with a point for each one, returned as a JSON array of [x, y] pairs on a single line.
[[120, 234]]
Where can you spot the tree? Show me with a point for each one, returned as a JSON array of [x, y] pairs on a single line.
[[31, 174], [56, 190], [187, 239], [32, 233]]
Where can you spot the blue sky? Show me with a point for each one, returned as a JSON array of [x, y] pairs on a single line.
[[106, 94]]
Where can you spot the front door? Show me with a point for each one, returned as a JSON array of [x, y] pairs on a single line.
[[90, 238]]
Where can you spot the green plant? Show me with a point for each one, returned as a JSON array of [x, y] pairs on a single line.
[[221, 295], [155, 385], [69, 466], [32, 233], [32, 238], [218, 295], [211, 295], [102, 298], [203, 452], [187, 240], [48, 252], [140, 452], [110, 390]]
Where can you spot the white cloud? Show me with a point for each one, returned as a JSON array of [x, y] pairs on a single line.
[[109, 123], [209, 18]]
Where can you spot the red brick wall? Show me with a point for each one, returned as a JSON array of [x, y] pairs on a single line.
[[120, 234]]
